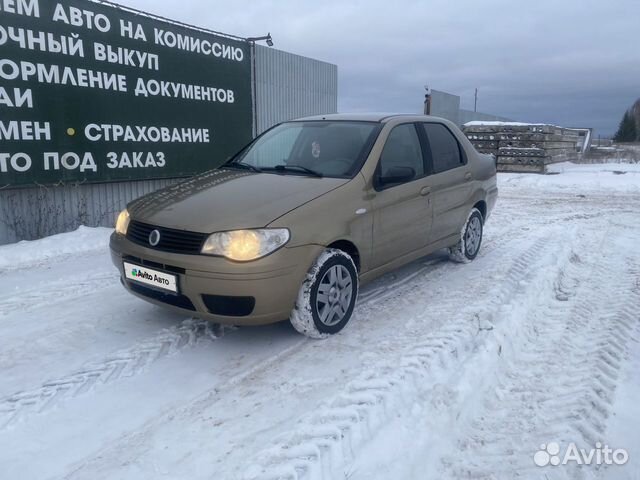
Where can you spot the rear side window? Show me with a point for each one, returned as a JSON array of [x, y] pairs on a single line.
[[445, 151], [402, 149]]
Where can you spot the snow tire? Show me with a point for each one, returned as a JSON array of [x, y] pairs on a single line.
[[305, 316], [470, 241]]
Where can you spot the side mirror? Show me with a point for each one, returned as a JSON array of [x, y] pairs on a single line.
[[397, 175]]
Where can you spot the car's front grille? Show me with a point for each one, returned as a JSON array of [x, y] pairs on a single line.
[[156, 265], [181, 301], [171, 240]]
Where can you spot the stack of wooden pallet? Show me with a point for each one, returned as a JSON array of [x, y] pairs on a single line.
[[523, 147]]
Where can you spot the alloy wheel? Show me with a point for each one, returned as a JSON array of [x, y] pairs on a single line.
[[473, 235], [334, 295]]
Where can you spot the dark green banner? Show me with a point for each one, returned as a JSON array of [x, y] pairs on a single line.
[[90, 92]]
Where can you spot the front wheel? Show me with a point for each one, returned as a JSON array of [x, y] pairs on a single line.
[[468, 246], [327, 296]]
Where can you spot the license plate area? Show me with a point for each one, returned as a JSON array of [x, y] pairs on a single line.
[[151, 277]]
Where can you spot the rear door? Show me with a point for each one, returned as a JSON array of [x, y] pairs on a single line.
[[451, 181], [402, 212]]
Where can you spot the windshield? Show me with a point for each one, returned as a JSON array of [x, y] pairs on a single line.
[[320, 148]]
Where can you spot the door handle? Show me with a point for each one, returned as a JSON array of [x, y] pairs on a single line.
[[468, 176], [424, 191]]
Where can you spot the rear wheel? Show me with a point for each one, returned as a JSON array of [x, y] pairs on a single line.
[[327, 296], [468, 246]]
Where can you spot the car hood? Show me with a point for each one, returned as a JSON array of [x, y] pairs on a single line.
[[228, 199]]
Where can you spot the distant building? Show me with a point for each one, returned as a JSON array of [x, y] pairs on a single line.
[[447, 105]]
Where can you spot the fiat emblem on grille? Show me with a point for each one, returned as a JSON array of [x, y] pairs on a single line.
[[154, 238]]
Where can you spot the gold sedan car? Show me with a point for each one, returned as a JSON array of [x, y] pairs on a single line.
[[310, 210]]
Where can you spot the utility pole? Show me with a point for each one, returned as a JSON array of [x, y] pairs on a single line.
[[252, 46], [427, 100], [475, 102]]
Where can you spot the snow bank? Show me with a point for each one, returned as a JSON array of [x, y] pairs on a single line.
[[84, 239], [591, 168], [567, 176], [481, 123]]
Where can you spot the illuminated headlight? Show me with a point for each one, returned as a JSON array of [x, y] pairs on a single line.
[[122, 223], [245, 245]]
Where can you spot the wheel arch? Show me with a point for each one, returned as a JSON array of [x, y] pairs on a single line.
[[482, 206], [349, 248]]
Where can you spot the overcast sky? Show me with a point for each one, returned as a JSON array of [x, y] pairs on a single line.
[[568, 62]]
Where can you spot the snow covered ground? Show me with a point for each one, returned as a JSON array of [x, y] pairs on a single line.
[[447, 371]]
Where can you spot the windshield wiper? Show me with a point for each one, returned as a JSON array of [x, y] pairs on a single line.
[[246, 166], [299, 168]]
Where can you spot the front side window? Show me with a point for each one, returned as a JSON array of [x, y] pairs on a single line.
[[327, 148], [445, 151], [402, 149]]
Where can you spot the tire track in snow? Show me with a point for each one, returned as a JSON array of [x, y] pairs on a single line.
[[534, 402], [123, 363], [130, 361], [127, 362], [130, 447], [325, 441], [53, 293]]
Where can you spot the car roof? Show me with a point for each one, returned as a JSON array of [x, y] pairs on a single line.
[[371, 117]]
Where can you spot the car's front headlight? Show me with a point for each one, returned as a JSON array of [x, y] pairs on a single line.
[[122, 223], [245, 245]]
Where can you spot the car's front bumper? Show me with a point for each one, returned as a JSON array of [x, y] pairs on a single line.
[[266, 288]]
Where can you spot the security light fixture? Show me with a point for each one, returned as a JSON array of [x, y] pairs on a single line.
[[267, 38]]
